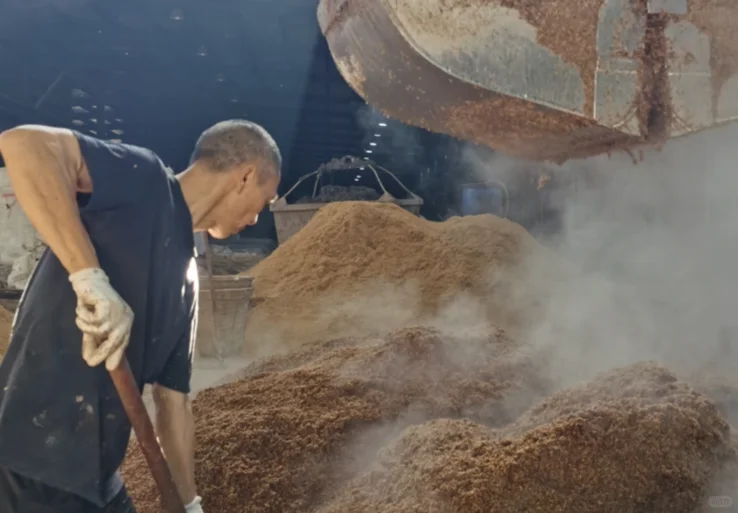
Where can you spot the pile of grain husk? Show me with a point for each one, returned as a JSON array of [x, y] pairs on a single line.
[[6, 321], [632, 439], [361, 268], [296, 428], [725, 483], [722, 390]]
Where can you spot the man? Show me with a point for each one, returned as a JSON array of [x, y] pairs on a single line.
[[119, 280]]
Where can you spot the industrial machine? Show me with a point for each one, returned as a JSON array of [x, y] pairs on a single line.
[[543, 80]]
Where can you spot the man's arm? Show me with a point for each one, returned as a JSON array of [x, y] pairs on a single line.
[[175, 428], [46, 171]]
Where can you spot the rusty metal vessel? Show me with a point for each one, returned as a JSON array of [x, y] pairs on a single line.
[[544, 80]]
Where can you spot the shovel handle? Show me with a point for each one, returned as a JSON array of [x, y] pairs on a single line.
[[130, 396]]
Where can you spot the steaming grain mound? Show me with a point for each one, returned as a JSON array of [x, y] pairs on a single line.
[[725, 483], [283, 440], [721, 390], [6, 321], [361, 268], [651, 445]]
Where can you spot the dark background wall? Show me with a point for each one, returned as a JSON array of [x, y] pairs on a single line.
[[158, 73]]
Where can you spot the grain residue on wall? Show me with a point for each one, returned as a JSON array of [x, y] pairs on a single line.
[[567, 29]]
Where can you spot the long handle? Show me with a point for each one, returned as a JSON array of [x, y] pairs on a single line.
[[139, 418]]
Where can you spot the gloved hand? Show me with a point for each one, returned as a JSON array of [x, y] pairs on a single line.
[[104, 318], [194, 506]]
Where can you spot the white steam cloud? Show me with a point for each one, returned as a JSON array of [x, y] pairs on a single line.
[[659, 243]]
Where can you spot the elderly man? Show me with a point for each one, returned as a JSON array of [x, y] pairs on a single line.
[[119, 280]]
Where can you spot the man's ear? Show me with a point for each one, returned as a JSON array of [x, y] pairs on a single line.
[[246, 174]]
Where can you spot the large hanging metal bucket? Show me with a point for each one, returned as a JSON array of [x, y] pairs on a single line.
[[291, 218], [545, 80]]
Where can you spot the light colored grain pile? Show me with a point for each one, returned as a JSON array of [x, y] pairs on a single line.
[[722, 390], [725, 483], [288, 435], [419, 422], [633, 439], [362, 268], [6, 321]]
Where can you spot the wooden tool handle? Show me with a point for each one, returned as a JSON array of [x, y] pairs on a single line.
[[139, 418]]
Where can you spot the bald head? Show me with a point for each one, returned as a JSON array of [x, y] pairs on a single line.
[[231, 144]]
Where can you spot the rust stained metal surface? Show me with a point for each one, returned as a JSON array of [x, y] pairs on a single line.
[[708, 40], [329, 11], [542, 80], [378, 62]]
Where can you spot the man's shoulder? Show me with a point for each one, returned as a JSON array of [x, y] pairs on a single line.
[[122, 174], [95, 147]]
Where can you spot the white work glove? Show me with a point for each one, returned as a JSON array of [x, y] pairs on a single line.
[[104, 318], [194, 506]]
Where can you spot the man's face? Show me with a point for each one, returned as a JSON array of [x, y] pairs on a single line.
[[241, 207]]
